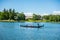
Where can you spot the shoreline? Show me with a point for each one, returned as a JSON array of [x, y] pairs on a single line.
[[28, 21]]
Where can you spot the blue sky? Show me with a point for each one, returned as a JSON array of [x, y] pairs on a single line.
[[34, 6]]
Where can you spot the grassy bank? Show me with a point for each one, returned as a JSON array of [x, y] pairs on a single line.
[[26, 21], [7, 21], [23, 21], [12, 21], [37, 21]]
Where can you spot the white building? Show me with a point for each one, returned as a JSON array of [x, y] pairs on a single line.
[[28, 15]]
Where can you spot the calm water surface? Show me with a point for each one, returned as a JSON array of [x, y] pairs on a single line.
[[13, 31]]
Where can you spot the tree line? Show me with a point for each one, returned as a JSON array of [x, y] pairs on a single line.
[[11, 14], [55, 18]]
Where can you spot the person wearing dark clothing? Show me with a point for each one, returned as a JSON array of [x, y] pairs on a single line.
[[38, 25]]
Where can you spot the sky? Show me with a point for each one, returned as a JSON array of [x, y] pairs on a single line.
[[31, 6]]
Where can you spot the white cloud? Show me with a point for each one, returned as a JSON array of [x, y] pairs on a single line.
[[28, 14], [42, 14], [56, 12]]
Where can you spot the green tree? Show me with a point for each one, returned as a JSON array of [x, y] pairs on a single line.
[[55, 18], [21, 16], [36, 17], [6, 14], [12, 13]]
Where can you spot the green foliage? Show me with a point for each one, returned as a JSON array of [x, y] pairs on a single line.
[[11, 15], [55, 18], [21, 16], [36, 17]]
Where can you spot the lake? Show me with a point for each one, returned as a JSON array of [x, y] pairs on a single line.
[[13, 31]]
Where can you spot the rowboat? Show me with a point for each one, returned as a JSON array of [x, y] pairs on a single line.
[[32, 26]]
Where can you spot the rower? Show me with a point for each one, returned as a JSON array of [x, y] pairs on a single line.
[[38, 25]]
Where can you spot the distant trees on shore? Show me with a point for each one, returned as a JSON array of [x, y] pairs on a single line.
[[55, 18], [36, 17], [11, 14]]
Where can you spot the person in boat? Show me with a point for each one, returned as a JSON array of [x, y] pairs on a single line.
[[38, 25]]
